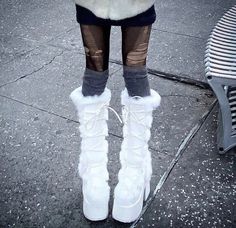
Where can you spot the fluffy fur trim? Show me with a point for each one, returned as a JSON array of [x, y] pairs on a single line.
[[149, 102], [80, 101], [116, 9]]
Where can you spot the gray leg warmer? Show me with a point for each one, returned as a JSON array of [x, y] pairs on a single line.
[[94, 82], [136, 80]]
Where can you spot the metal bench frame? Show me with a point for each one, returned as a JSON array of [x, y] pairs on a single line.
[[220, 62]]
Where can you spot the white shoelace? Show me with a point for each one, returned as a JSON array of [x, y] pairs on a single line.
[[91, 122], [127, 114], [96, 115], [131, 177]]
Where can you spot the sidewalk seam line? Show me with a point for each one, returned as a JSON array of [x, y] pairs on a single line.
[[38, 108], [49, 112], [182, 79], [173, 77], [41, 67], [180, 34], [182, 148]]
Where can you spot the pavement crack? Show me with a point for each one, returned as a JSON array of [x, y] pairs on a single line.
[[51, 113], [38, 108], [61, 34], [179, 78], [180, 34], [185, 79], [113, 73], [19, 55], [34, 71], [40, 44], [179, 95], [209, 95], [183, 146], [115, 135]]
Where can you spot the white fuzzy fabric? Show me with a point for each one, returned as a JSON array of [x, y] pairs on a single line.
[[81, 101], [93, 127], [92, 167], [116, 9], [149, 102], [137, 116]]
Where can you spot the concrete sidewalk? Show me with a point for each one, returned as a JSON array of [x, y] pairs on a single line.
[[42, 61]]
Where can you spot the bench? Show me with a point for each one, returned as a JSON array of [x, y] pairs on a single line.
[[220, 68]]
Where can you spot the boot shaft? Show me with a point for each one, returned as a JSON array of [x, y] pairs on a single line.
[[92, 112], [137, 117]]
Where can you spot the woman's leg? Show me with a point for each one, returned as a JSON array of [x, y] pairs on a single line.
[[135, 158], [135, 41], [93, 113], [96, 40]]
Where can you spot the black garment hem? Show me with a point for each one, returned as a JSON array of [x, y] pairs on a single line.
[[85, 16]]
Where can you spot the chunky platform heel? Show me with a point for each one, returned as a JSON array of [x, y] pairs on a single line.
[[93, 114], [128, 213], [136, 164], [94, 211]]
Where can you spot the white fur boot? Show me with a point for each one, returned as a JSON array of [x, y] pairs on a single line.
[[136, 164], [93, 115]]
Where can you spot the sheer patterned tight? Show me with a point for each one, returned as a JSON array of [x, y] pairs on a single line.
[[96, 41]]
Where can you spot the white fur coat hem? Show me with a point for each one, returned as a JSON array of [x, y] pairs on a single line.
[[116, 9]]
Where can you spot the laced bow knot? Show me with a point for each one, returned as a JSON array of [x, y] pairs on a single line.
[[89, 122], [97, 116], [129, 114]]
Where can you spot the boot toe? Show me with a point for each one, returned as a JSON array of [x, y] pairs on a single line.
[[97, 192], [127, 195]]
